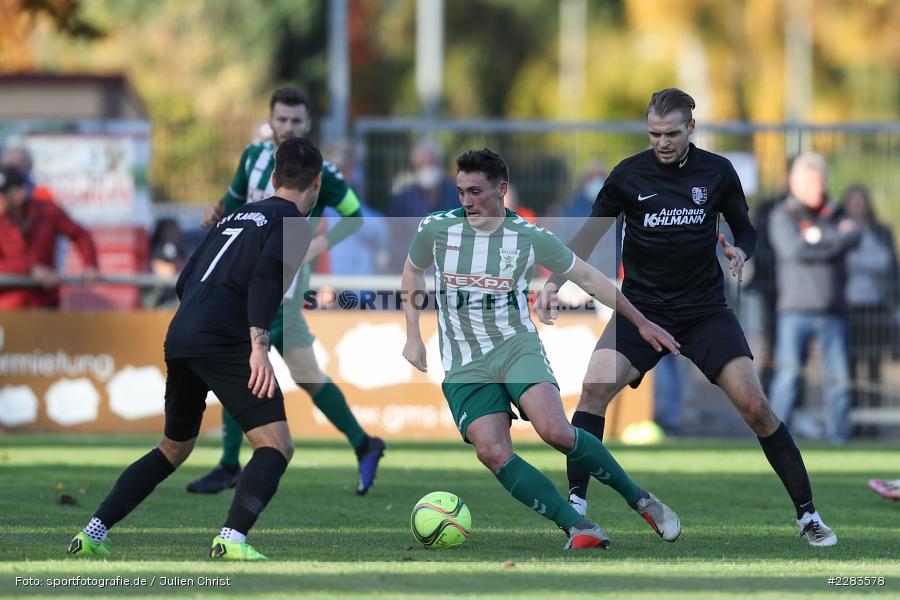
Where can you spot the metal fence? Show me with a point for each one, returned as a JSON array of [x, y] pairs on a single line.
[[546, 157]]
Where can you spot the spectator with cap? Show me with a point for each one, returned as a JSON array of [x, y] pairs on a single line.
[[18, 156], [39, 223]]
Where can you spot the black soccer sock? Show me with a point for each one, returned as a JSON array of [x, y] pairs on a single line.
[[363, 447], [579, 476], [133, 486], [785, 458], [255, 488]]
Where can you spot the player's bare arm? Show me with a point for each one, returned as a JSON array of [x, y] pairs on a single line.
[[582, 244], [413, 281], [598, 286], [736, 257], [213, 214], [546, 305], [262, 376], [317, 246]]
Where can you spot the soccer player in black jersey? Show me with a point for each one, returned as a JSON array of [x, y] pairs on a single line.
[[671, 196], [219, 340]]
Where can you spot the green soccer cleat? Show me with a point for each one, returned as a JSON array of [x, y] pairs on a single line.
[[83, 545], [234, 551]]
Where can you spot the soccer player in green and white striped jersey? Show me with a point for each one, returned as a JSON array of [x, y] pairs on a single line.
[[484, 257], [289, 116]]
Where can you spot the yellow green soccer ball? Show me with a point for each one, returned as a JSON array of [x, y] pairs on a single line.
[[441, 520]]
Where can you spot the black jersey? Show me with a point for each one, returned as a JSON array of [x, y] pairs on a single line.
[[236, 279], [671, 227]]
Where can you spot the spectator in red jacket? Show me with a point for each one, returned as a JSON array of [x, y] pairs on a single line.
[[13, 259], [37, 224]]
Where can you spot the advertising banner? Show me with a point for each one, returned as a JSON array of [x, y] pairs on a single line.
[[104, 372]]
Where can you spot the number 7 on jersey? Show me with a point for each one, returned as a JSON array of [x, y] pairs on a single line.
[[232, 233]]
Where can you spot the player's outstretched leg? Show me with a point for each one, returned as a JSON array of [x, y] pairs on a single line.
[[131, 488], [600, 386], [739, 381], [369, 450], [787, 462], [273, 449], [225, 474], [590, 452], [543, 406], [329, 399], [532, 488], [493, 446], [580, 477]]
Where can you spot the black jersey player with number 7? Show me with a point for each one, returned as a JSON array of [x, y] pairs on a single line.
[[219, 341], [671, 197]]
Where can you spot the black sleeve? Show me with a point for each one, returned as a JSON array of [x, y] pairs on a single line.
[[608, 202], [603, 213], [737, 215], [265, 292], [286, 245]]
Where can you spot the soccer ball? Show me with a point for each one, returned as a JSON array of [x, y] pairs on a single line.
[[441, 520]]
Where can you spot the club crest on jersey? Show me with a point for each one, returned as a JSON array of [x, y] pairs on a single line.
[[698, 195], [508, 259], [478, 282]]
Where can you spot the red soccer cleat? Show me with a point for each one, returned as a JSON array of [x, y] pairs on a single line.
[[885, 488]]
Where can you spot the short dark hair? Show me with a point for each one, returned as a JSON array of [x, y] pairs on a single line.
[[669, 100], [297, 163], [290, 96], [484, 161]]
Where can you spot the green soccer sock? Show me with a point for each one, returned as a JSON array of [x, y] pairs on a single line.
[[590, 453], [330, 400], [232, 438], [532, 488]]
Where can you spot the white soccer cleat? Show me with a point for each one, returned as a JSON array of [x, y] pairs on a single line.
[[662, 519], [578, 503], [816, 532]]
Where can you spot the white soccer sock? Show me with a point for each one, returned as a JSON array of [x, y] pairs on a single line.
[[807, 517], [96, 530], [232, 535]]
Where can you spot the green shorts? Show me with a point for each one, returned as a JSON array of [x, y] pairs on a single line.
[[493, 382], [289, 329]]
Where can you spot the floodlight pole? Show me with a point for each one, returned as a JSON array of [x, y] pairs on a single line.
[[572, 58], [430, 56], [335, 126], [798, 69]]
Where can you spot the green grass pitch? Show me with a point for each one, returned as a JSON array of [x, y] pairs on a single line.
[[739, 538]]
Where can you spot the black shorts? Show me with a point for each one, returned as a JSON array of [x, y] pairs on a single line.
[[190, 379], [711, 338]]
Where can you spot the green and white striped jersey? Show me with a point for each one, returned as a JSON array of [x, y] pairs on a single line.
[[252, 182], [482, 277]]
